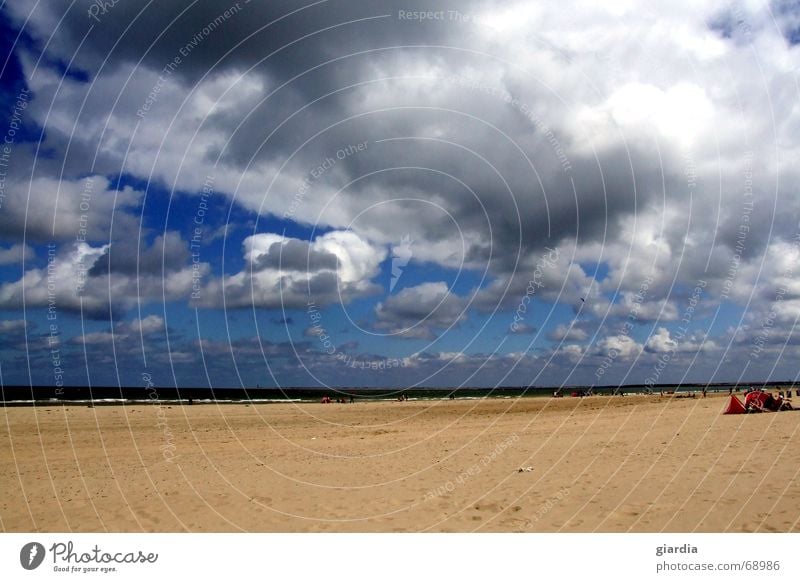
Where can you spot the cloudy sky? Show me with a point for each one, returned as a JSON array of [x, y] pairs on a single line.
[[344, 193]]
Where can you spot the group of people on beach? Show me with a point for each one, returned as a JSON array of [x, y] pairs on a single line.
[[327, 400], [759, 400]]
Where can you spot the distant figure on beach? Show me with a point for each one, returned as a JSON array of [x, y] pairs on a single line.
[[352, 400]]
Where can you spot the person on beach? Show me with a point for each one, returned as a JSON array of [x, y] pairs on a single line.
[[780, 403]]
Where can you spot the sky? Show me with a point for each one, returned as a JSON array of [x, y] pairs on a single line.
[[399, 194]]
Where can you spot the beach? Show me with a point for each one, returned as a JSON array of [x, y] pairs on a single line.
[[594, 464]]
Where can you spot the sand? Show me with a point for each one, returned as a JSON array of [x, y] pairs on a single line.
[[608, 464]]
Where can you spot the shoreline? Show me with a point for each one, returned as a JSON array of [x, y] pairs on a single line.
[[104, 396], [362, 398]]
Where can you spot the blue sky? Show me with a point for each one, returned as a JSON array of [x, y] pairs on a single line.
[[506, 202]]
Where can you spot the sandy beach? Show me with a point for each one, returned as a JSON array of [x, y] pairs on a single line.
[[607, 464]]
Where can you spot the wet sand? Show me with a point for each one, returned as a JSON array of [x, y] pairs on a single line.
[[609, 464]]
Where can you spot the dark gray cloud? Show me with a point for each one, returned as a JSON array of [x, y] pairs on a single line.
[[168, 253], [416, 312], [516, 196], [296, 255], [64, 210], [338, 266]]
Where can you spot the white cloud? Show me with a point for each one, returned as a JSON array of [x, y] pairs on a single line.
[[566, 333], [618, 346], [662, 341], [146, 326], [266, 283], [65, 284], [16, 254]]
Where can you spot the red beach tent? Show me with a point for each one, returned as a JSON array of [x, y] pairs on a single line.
[[735, 406]]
